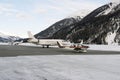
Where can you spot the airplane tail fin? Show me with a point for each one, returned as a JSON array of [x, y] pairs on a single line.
[[30, 35], [60, 45], [81, 42]]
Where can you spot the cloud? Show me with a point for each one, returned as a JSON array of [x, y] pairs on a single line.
[[52, 20], [9, 10], [56, 8], [39, 9], [76, 5], [82, 13], [6, 32], [115, 0], [64, 7], [23, 16]]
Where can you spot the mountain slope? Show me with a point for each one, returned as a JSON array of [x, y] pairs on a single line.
[[6, 38], [102, 26], [57, 26]]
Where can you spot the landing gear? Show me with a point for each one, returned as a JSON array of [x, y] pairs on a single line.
[[47, 46], [43, 46]]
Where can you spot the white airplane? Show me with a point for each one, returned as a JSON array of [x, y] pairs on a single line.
[[56, 42], [43, 42], [79, 47]]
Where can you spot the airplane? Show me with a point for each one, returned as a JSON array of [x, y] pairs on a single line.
[[78, 47], [43, 42], [54, 42]]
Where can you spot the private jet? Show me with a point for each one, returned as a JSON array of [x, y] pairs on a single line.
[[43, 42]]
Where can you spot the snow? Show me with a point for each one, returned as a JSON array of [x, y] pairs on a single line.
[[116, 1], [3, 35], [60, 67], [82, 13], [1, 43], [109, 10], [110, 38], [7, 35], [114, 47]]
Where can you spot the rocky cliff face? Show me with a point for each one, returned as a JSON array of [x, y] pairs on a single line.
[[101, 26]]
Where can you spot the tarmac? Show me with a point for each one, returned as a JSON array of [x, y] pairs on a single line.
[[13, 50]]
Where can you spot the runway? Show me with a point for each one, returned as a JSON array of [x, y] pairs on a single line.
[[36, 63], [10, 51]]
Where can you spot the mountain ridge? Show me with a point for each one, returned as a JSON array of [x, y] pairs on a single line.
[[47, 33], [7, 38], [101, 26]]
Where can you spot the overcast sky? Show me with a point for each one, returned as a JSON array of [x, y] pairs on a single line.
[[115, 0], [19, 16]]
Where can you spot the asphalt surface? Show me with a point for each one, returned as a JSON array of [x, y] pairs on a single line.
[[10, 51]]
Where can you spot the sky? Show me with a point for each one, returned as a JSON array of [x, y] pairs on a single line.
[[19, 16]]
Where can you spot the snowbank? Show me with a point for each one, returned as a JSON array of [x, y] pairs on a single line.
[[104, 47], [69, 67], [1, 43]]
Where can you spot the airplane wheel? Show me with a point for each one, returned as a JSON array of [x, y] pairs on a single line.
[[43, 46], [47, 46]]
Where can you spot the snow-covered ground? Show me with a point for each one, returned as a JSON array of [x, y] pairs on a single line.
[[104, 47], [91, 47], [60, 67], [22, 44], [1, 43]]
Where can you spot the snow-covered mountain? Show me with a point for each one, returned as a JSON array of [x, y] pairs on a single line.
[[7, 38], [82, 13], [102, 11], [111, 8], [57, 26], [64, 23], [2, 35], [101, 26]]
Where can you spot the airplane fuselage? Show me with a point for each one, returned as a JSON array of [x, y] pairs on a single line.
[[45, 42]]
